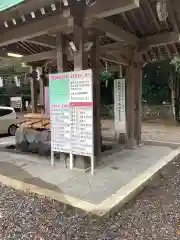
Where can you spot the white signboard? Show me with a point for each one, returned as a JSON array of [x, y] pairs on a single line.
[[71, 110], [60, 130], [81, 88], [81, 100], [119, 105], [16, 102]]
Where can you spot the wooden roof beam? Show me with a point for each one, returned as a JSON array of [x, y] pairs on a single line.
[[114, 59], [109, 49], [106, 8], [25, 8], [115, 47], [35, 29], [32, 58], [101, 9], [158, 40], [113, 31], [52, 55]]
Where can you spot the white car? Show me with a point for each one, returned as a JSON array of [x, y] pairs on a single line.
[[8, 121]]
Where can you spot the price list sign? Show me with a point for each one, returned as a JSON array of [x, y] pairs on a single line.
[[81, 100], [60, 113], [81, 88]]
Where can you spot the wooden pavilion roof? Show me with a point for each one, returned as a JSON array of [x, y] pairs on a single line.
[[30, 28]]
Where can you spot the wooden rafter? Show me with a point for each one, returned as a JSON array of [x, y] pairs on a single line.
[[138, 24], [168, 51], [172, 17], [144, 17], [44, 40], [154, 18], [175, 49], [128, 23]]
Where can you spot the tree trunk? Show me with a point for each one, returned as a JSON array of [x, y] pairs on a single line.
[[173, 103], [177, 100]]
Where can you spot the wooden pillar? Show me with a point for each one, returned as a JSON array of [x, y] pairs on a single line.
[[62, 62], [80, 35], [81, 60], [41, 88], [80, 56], [80, 63], [130, 116], [34, 96], [61, 46], [95, 65], [138, 103]]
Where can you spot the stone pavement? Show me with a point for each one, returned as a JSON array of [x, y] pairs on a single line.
[[118, 171], [121, 172], [6, 140]]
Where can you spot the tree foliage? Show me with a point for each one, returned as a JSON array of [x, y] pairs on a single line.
[[156, 82], [161, 82]]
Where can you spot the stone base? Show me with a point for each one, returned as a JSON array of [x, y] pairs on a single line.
[[121, 138], [39, 142], [82, 162], [30, 140]]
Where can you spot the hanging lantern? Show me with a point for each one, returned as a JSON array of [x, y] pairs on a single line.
[[162, 11]]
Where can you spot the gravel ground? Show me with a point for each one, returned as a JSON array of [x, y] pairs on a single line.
[[150, 131], [155, 214]]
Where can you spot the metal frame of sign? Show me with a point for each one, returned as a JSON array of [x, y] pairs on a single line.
[[92, 157]]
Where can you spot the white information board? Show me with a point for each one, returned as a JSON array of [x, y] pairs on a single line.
[[71, 110], [60, 130], [16, 102], [120, 105], [81, 100]]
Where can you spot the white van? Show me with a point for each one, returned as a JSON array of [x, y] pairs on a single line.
[[8, 120]]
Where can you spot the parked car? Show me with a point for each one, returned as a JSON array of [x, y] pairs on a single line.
[[8, 121]]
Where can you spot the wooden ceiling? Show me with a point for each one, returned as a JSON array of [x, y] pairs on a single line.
[[30, 28], [143, 22]]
